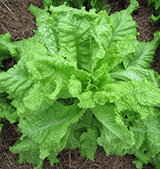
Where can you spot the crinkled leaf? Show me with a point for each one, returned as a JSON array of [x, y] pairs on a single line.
[[57, 72], [28, 151], [114, 132], [6, 110], [143, 56], [153, 138], [7, 48], [74, 86], [123, 23], [84, 134], [140, 97], [137, 74], [15, 80], [89, 144], [51, 130], [74, 36]]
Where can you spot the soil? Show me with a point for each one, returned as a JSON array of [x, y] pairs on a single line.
[[20, 23]]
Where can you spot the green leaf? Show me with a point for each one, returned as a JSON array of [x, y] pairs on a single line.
[[51, 130], [7, 48], [84, 134], [143, 57], [117, 53], [114, 132], [74, 86], [157, 3], [139, 130], [28, 151], [155, 18], [15, 80], [56, 72], [155, 161], [98, 5], [74, 36], [115, 50], [123, 23], [6, 110], [86, 100], [133, 96], [45, 34], [137, 74], [89, 144], [153, 124]]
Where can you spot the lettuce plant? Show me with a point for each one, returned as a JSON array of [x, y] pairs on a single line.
[[83, 80]]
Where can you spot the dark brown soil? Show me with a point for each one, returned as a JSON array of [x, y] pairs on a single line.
[[19, 22]]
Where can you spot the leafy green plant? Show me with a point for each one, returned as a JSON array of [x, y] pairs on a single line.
[[83, 80], [157, 7]]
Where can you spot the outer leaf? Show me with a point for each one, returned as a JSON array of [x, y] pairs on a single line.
[[113, 133], [155, 161], [123, 23], [84, 135], [143, 57], [50, 131], [15, 80], [137, 65], [155, 18], [89, 143], [57, 148], [116, 49], [116, 53], [6, 110], [138, 74], [133, 96], [28, 151], [145, 139], [153, 124], [45, 34], [7, 48]]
